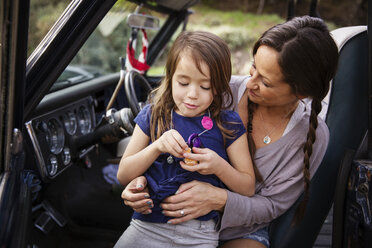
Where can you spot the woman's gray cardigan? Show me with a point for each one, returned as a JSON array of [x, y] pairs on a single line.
[[281, 166]]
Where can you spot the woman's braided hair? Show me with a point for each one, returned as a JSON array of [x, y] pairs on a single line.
[[308, 58]]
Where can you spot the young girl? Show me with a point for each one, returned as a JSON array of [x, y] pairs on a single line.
[[187, 111]]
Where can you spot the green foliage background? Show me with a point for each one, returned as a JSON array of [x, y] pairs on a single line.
[[239, 26]]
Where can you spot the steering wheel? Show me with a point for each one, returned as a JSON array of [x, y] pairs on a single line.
[[130, 91]]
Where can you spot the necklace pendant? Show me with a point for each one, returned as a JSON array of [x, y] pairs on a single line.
[[170, 159], [266, 140]]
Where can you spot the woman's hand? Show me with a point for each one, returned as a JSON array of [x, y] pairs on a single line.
[[192, 200], [136, 196], [209, 161], [171, 142]]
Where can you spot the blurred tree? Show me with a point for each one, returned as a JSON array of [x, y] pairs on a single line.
[[43, 15], [261, 5], [340, 12]]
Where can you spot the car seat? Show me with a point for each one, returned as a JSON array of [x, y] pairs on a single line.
[[347, 119]]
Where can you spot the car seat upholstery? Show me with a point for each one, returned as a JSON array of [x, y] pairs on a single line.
[[347, 119]]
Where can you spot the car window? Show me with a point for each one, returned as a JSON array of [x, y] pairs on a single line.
[[101, 53], [43, 15]]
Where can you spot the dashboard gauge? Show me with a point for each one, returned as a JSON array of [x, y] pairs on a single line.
[[41, 127], [66, 156], [52, 165], [85, 121], [55, 136], [70, 122]]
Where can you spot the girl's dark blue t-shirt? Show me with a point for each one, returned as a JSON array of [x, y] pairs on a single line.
[[164, 179]]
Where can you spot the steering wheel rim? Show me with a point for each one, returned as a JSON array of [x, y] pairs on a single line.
[[131, 92]]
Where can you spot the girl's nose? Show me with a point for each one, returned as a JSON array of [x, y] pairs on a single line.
[[192, 92]]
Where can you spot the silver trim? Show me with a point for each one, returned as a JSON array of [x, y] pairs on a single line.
[[39, 155], [17, 141]]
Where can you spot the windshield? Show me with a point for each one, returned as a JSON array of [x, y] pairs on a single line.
[[108, 42], [101, 54]]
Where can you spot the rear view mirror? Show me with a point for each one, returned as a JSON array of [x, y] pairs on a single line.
[[142, 21]]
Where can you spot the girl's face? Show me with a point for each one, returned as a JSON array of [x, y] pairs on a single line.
[[191, 89], [266, 86]]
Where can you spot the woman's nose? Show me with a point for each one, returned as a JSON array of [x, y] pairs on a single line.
[[252, 84]]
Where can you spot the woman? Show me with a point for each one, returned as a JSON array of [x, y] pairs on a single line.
[[292, 61]]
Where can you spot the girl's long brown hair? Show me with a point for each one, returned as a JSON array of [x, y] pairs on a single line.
[[204, 47], [308, 58]]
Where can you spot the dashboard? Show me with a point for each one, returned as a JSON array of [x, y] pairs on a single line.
[[66, 124], [52, 135]]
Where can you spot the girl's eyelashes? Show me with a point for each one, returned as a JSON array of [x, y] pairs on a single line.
[[201, 86]]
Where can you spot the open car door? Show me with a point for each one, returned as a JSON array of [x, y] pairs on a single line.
[[14, 180]]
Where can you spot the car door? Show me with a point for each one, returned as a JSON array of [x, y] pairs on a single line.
[[14, 186]]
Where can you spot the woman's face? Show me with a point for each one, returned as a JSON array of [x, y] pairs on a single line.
[[191, 88], [266, 86]]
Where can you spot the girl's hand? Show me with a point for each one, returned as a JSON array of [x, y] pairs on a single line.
[[193, 199], [209, 161], [136, 196], [171, 142]]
